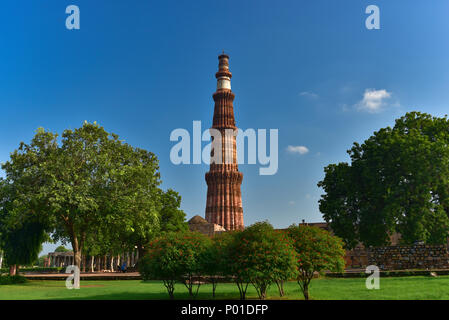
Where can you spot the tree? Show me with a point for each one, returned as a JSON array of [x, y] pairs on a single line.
[[317, 251], [398, 181], [61, 249], [90, 179], [41, 260], [175, 257], [216, 258], [262, 256], [20, 242], [172, 219]]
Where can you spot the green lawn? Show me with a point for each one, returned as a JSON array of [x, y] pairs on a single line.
[[341, 289]]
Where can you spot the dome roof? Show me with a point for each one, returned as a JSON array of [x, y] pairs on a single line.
[[197, 220]]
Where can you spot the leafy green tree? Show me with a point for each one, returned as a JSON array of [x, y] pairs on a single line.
[[215, 259], [317, 251], [23, 244], [41, 260], [172, 218], [175, 257], [20, 242], [90, 179], [262, 256], [61, 249], [398, 181]]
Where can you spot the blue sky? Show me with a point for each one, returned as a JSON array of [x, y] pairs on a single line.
[[143, 68]]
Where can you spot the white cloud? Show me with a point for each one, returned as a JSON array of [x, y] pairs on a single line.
[[291, 203], [297, 149], [373, 100], [308, 94]]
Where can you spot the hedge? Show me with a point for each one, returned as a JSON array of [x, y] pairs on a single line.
[[35, 269], [4, 280], [397, 273]]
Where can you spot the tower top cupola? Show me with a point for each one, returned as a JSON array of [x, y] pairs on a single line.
[[223, 75]]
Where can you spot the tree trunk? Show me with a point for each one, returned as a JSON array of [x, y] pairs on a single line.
[[13, 270], [77, 258], [92, 263], [242, 289], [112, 263], [306, 292], [76, 248], [304, 282], [141, 252], [280, 285], [83, 263], [1, 259], [170, 285], [105, 262], [214, 287], [98, 263]]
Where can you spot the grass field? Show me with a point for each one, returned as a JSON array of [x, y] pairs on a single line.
[[332, 289]]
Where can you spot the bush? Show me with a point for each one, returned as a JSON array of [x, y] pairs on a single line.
[[34, 269], [214, 259], [318, 251], [5, 280], [173, 258], [262, 256]]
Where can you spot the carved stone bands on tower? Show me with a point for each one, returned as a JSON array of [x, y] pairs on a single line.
[[224, 198]]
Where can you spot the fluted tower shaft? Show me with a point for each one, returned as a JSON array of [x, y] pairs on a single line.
[[224, 198]]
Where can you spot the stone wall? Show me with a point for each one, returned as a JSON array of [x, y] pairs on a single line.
[[356, 258], [409, 257]]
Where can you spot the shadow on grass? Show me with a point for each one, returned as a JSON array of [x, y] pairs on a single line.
[[158, 296], [180, 293]]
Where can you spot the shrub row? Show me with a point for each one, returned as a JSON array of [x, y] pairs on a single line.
[[34, 269], [7, 279], [259, 256], [401, 273]]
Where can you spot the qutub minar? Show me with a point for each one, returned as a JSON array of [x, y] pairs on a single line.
[[224, 197]]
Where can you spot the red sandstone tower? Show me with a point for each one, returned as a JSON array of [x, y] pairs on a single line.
[[224, 198]]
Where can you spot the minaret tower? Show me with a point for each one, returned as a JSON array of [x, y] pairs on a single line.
[[224, 198]]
